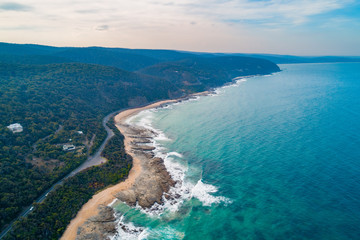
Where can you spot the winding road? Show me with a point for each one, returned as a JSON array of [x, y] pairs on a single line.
[[93, 160]]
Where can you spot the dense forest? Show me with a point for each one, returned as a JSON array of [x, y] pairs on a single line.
[[198, 74], [52, 103], [60, 96], [51, 217]]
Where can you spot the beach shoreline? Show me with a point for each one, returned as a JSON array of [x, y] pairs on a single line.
[[108, 195]]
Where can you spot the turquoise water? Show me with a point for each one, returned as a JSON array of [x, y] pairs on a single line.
[[272, 157]]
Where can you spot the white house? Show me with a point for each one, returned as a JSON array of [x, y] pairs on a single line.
[[68, 147], [15, 127]]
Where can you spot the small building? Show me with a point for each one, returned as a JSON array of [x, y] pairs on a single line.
[[80, 132], [68, 147], [15, 127]]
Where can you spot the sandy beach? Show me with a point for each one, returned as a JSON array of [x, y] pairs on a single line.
[[105, 197]]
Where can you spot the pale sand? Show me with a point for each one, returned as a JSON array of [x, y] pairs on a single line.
[[106, 196]]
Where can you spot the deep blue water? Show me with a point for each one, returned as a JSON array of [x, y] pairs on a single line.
[[282, 151]]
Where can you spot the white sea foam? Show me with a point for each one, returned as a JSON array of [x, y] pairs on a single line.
[[129, 119], [172, 105], [112, 203], [241, 80], [161, 136], [128, 231], [179, 155], [146, 118], [202, 192], [236, 82]]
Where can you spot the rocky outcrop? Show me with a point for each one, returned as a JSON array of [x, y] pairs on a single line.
[[143, 148], [99, 227], [150, 186], [154, 180]]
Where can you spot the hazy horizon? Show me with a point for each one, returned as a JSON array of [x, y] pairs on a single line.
[[303, 28], [180, 50]]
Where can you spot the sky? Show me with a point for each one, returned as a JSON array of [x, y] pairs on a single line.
[[296, 27]]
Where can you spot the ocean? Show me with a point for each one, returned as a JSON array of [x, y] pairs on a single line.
[[270, 157]]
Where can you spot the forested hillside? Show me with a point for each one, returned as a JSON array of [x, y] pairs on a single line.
[[60, 98], [198, 74], [134, 59], [64, 97]]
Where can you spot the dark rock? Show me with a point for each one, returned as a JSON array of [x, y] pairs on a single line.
[[128, 196], [143, 148], [98, 227]]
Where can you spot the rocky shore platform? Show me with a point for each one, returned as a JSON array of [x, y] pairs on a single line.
[[147, 183], [149, 187], [154, 179]]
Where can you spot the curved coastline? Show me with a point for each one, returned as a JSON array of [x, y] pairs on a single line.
[[95, 206], [105, 197]]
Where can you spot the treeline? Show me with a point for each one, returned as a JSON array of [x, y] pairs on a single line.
[[50, 218]]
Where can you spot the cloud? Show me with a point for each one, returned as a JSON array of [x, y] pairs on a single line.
[[88, 11], [209, 25], [163, 3], [12, 6], [102, 28], [291, 12]]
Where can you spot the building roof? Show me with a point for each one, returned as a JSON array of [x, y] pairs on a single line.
[[68, 147], [15, 127]]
